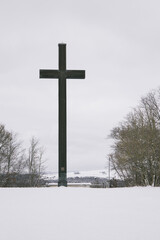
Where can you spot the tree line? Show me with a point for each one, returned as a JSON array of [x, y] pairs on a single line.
[[20, 167], [135, 152]]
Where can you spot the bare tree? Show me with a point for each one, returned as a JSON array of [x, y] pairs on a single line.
[[136, 148], [35, 162], [16, 167], [12, 158]]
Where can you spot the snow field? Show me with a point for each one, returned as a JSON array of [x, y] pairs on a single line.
[[80, 214]]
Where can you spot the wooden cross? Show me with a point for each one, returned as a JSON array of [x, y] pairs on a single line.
[[62, 74]]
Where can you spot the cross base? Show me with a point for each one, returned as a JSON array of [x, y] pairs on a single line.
[[62, 183], [62, 180]]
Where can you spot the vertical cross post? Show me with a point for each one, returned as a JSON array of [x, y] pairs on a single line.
[[62, 74], [62, 117]]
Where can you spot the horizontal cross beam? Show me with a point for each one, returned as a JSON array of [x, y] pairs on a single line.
[[70, 74]]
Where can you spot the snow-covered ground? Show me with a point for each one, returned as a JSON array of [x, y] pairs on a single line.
[[80, 214]]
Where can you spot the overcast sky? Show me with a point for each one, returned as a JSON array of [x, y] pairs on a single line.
[[117, 42]]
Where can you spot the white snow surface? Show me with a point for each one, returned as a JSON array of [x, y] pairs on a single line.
[[80, 213]]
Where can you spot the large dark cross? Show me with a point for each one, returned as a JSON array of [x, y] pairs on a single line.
[[62, 74]]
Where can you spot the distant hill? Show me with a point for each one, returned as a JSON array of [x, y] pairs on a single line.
[[93, 173], [95, 177]]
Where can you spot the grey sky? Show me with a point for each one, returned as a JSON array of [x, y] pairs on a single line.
[[116, 42]]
